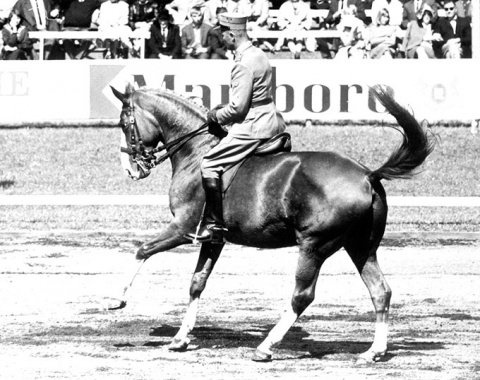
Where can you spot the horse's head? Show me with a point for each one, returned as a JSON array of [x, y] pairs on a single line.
[[139, 135]]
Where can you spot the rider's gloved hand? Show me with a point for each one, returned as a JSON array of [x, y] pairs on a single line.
[[214, 127]]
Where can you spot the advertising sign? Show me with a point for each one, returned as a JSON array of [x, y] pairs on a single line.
[[324, 90]]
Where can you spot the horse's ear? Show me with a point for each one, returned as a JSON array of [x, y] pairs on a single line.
[[118, 94], [129, 89]]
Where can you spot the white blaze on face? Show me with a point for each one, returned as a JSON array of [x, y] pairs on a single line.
[[131, 168]]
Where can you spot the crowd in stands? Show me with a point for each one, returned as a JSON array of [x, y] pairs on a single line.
[[188, 29]]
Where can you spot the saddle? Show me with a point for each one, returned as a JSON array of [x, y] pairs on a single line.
[[278, 143]]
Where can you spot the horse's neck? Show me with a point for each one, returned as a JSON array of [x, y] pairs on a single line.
[[177, 121]]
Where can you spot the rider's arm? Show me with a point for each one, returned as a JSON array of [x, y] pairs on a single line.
[[240, 95]]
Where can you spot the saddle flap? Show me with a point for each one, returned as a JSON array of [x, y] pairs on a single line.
[[278, 143]]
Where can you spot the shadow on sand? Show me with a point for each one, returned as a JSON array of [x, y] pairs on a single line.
[[296, 340]]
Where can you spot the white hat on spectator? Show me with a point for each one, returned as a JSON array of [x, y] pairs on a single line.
[[197, 4], [426, 8]]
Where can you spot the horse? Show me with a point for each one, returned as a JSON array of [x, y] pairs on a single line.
[[318, 201]]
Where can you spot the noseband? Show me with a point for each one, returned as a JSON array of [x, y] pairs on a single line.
[[144, 157]]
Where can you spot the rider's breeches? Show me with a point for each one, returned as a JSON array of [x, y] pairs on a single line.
[[226, 154]]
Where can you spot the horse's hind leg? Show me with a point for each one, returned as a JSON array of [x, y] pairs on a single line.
[[362, 249], [380, 292], [306, 276], [209, 254]]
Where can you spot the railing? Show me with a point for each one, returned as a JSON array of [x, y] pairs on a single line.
[[315, 13], [88, 35], [316, 33]]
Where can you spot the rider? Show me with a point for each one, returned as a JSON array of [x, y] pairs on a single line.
[[251, 114]]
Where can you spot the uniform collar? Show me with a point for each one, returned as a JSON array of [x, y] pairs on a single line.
[[241, 49]]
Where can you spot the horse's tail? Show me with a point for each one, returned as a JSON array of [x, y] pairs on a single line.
[[417, 143]]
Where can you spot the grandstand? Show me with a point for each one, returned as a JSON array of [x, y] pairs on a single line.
[[316, 31]]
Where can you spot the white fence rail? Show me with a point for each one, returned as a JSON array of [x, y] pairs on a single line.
[[162, 200]]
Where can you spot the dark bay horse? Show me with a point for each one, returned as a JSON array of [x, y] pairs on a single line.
[[320, 201]]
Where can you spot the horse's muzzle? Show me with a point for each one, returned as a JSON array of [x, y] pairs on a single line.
[[138, 174], [134, 170]]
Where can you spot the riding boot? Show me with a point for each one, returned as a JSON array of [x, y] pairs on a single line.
[[212, 226]]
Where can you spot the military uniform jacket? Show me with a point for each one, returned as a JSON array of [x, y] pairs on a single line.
[[251, 111]]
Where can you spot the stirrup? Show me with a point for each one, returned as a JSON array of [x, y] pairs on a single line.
[[217, 234], [211, 233]]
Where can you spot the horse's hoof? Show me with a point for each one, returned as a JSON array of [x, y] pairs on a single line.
[[116, 304], [262, 357], [370, 357], [179, 345]]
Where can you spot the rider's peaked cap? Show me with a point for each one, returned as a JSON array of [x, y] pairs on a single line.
[[233, 21]]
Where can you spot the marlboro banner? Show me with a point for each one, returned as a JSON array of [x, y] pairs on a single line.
[[327, 90]]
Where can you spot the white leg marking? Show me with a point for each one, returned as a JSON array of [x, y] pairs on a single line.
[[121, 302], [379, 345], [278, 332], [180, 342], [380, 340], [189, 320]]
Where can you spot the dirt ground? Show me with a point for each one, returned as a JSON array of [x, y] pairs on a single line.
[[52, 286]]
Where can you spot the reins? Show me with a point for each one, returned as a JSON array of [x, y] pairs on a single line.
[[146, 158]]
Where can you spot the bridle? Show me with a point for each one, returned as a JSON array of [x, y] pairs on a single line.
[[146, 158]]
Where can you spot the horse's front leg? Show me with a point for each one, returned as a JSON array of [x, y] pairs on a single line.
[[170, 238], [209, 254]]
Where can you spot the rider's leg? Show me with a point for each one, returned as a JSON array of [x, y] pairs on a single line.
[[212, 226], [230, 151]]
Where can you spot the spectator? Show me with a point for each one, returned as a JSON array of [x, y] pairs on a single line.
[[195, 36], [113, 17], [412, 7], [211, 8], [15, 39], [394, 8], [142, 14], [179, 10], [419, 36], [165, 41], [464, 9], [141, 17], [352, 42], [6, 7], [338, 8], [320, 5], [257, 12], [294, 15], [456, 34], [238, 6], [382, 36], [218, 48], [43, 16], [78, 15]]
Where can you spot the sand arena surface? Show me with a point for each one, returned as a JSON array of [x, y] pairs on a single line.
[[51, 288]]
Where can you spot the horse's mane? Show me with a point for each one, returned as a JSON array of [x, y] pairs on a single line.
[[181, 102]]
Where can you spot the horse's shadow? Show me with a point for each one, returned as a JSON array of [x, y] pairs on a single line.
[[296, 340]]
